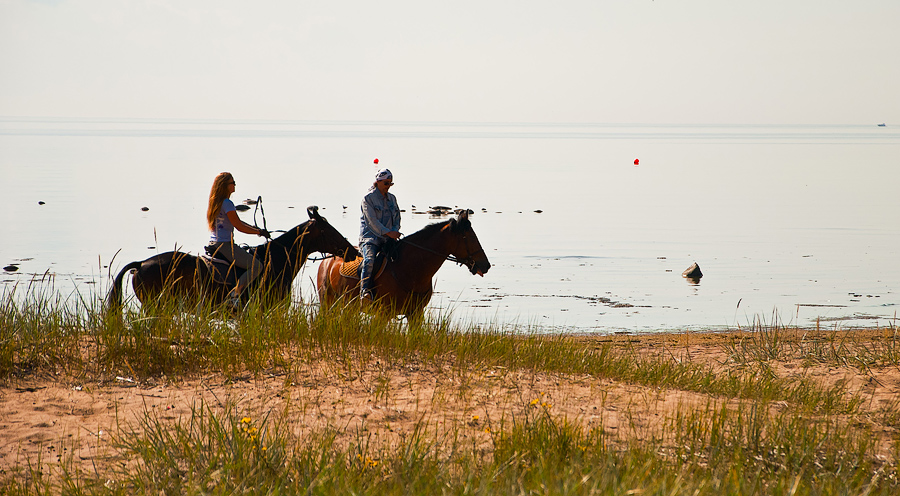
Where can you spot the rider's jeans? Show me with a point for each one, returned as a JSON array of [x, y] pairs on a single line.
[[242, 259], [367, 277]]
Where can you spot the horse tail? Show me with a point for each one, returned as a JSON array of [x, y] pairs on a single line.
[[114, 299]]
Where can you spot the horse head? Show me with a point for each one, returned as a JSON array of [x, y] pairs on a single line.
[[468, 250], [323, 237]]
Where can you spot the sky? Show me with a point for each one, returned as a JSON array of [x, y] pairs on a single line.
[[591, 61]]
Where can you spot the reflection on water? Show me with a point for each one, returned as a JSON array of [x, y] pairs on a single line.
[[798, 220]]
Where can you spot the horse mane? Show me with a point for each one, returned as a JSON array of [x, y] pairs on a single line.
[[288, 239], [432, 229]]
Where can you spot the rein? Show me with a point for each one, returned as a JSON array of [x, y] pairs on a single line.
[[262, 211], [468, 261], [317, 259]]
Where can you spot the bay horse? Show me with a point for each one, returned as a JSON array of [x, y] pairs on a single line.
[[404, 286], [190, 278]]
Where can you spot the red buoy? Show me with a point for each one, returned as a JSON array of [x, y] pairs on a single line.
[[376, 161], [636, 161]]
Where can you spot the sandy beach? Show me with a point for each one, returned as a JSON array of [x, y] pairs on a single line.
[[47, 419]]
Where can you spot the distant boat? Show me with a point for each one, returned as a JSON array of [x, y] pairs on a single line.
[[881, 125]]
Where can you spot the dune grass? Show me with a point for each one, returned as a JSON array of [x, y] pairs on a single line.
[[719, 451], [736, 444]]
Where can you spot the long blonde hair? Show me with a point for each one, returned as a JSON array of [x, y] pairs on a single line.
[[217, 196]]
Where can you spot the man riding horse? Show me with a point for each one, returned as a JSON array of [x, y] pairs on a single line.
[[379, 222]]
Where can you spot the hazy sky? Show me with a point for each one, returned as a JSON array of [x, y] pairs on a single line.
[[629, 61]]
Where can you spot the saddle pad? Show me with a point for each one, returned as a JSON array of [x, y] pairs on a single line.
[[352, 268], [220, 270]]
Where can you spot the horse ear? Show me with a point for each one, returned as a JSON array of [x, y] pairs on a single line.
[[461, 222], [313, 211]]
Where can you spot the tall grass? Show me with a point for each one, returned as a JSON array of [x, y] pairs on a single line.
[[763, 342], [714, 451], [39, 331], [164, 338], [739, 443]]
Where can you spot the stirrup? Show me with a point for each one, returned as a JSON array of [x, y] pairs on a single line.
[[234, 301]]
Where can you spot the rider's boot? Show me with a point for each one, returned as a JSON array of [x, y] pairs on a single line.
[[366, 293]]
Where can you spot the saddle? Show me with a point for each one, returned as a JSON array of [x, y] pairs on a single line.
[[390, 251], [221, 270]]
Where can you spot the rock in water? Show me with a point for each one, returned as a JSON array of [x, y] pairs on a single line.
[[692, 272], [10, 268]]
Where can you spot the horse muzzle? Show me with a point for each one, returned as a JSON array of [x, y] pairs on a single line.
[[479, 267]]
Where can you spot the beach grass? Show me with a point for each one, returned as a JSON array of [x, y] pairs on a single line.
[[757, 431]]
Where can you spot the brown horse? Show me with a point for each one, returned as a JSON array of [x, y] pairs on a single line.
[[404, 286], [189, 278]]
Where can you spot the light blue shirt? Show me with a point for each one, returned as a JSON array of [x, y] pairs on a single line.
[[224, 230], [380, 215]]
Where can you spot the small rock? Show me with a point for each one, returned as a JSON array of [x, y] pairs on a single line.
[[145, 209], [692, 272], [10, 268], [41, 203], [241, 208], [538, 211]]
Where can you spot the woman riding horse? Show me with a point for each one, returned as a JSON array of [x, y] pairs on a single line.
[[222, 219], [404, 285], [191, 279]]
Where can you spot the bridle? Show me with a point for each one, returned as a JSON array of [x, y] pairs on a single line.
[[469, 261], [262, 211]]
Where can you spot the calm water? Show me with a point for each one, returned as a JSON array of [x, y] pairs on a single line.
[[796, 221]]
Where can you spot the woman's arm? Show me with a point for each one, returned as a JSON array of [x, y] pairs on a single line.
[[241, 225]]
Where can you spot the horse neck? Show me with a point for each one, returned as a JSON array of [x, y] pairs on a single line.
[[291, 247], [424, 255]]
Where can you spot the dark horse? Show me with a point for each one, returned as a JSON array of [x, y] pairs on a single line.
[[185, 276], [404, 286]]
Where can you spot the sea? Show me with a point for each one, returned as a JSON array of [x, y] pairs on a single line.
[[588, 226]]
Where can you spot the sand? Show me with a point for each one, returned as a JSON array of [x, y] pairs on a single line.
[[47, 420]]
